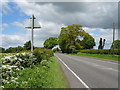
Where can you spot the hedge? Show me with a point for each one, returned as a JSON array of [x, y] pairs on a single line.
[[101, 51]]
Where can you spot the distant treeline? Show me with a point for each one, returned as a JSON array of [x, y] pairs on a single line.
[[26, 47]]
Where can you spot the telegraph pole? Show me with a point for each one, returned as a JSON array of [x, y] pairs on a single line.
[[113, 31], [32, 33], [32, 24], [113, 36]]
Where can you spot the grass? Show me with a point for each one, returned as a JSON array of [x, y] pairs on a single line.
[[104, 56], [56, 75], [40, 76]]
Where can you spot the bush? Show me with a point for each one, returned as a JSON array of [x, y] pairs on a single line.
[[100, 51], [42, 54], [13, 63]]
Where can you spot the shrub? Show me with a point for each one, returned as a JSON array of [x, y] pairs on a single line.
[[42, 54], [13, 63]]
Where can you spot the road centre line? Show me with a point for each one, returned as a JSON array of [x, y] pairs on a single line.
[[74, 74]]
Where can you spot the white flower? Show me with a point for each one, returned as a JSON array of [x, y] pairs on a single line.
[[7, 57], [17, 69], [15, 58], [2, 86], [20, 59], [23, 54], [14, 81], [4, 81], [5, 66]]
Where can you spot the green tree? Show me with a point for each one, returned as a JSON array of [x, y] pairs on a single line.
[[51, 42], [116, 44], [2, 50], [9, 50], [69, 37], [27, 45], [88, 41], [101, 44]]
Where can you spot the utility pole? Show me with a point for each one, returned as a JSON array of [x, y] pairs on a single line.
[[113, 31], [32, 24], [32, 33], [113, 36]]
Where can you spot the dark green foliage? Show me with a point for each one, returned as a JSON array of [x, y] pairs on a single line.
[[69, 37], [27, 45], [116, 44], [50, 42], [42, 54], [101, 44], [88, 41], [2, 50], [101, 51], [14, 49]]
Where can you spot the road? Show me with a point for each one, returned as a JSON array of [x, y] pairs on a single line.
[[88, 72]]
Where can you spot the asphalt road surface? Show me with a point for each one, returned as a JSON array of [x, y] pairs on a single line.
[[88, 72]]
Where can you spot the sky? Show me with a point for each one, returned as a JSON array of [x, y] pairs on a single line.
[[96, 18]]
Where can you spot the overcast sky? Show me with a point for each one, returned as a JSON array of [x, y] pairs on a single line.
[[95, 17]]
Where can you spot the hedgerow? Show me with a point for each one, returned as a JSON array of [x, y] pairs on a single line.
[[101, 51], [13, 63]]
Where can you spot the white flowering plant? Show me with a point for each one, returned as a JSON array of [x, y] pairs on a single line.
[[13, 63]]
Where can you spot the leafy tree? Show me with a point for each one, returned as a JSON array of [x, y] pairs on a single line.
[[116, 44], [9, 50], [69, 37], [2, 50], [88, 41], [101, 44], [14, 49], [51, 42], [27, 45]]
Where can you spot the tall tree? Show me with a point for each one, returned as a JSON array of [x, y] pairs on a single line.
[[27, 45], [69, 37], [51, 42], [101, 44], [2, 50], [116, 44]]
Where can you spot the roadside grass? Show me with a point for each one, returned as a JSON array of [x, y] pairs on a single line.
[[47, 75], [104, 56], [56, 75]]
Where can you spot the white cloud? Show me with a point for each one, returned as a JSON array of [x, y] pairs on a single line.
[[49, 29], [4, 25], [87, 29], [18, 24], [5, 7], [53, 16], [12, 40]]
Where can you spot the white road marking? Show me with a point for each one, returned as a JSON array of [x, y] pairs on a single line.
[[74, 74]]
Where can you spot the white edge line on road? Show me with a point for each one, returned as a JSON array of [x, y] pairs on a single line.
[[74, 74]]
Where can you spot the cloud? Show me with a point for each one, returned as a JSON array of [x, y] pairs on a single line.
[[49, 29], [18, 24], [11, 40], [93, 16], [5, 7], [88, 14], [4, 25]]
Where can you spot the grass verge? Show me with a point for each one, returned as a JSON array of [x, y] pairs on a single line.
[[47, 75], [104, 56]]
